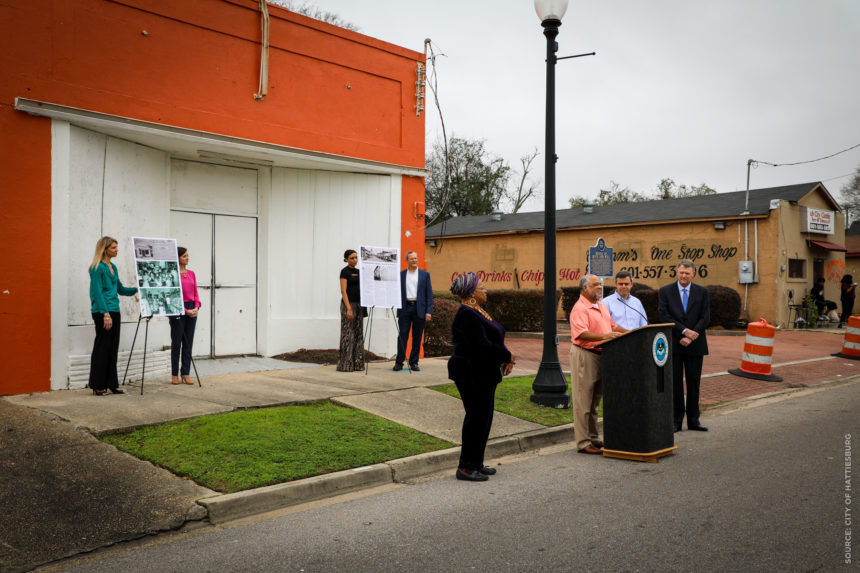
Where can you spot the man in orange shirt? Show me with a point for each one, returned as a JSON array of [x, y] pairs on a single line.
[[590, 324]]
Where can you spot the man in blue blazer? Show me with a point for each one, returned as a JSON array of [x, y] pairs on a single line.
[[688, 306], [416, 308]]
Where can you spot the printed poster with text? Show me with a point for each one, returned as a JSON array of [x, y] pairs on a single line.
[[157, 265], [379, 270]]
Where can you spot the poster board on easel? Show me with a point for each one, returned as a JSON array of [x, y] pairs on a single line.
[[156, 265]]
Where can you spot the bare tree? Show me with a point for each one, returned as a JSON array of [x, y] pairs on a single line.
[[850, 194], [516, 196], [311, 11], [614, 195]]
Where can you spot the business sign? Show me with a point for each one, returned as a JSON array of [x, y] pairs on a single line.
[[819, 221], [600, 260]]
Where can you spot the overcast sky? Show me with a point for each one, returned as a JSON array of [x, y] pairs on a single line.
[[679, 88]]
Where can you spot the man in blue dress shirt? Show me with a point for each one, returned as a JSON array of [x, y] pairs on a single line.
[[626, 309], [416, 309]]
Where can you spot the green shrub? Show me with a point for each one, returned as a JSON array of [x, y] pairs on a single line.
[[725, 303], [437, 332], [725, 306], [517, 310]]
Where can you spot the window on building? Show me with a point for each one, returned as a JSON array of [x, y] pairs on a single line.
[[796, 268]]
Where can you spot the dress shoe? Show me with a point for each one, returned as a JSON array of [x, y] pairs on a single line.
[[677, 428], [414, 368], [116, 391], [697, 428], [397, 367], [597, 443], [470, 475], [488, 471], [589, 449]]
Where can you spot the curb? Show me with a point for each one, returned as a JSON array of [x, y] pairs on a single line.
[[241, 504]]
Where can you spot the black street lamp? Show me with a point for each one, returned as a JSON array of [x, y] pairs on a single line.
[[549, 386]]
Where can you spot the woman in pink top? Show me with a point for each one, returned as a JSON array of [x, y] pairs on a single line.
[[182, 327]]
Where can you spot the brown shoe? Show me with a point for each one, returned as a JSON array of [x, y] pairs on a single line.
[[597, 443], [589, 449], [187, 380], [175, 380]]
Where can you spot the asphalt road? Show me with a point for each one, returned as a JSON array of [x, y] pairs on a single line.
[[764, 490]]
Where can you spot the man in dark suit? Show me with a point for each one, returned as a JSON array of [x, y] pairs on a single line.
[[416, 308], [688, 306]]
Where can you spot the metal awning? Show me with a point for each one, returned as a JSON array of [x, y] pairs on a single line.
[[826, 245]]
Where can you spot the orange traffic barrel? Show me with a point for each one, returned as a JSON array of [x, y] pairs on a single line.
[[851, 342], [758, 353]]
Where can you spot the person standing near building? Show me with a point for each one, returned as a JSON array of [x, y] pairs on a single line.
[[590, 324], [477, 365], [416, 308], [182, 326], [351, 314], [626, 309], [105, 287], [848, 293], [689, 307]]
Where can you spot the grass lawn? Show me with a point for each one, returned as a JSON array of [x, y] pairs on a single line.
[[253, 448], [512, 398]]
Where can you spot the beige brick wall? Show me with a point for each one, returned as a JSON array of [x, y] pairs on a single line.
[[652, 252]]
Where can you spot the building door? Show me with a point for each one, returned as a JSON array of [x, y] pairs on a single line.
[[222, 252], [213, 214]]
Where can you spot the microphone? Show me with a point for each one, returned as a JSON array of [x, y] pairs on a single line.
[[621, 300]]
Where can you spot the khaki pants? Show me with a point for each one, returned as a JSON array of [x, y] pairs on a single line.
[[587, 389]]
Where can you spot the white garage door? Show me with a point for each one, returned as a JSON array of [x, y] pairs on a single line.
[[222, 251]]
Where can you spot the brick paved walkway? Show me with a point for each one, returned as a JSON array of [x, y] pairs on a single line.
[[790, 346]]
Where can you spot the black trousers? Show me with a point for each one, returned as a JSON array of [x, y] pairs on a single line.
[[409, 318], [847, 309], [105, 350], [689, 367], [181, 341], [478, 400]]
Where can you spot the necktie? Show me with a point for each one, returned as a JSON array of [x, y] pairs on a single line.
[[684, 298]]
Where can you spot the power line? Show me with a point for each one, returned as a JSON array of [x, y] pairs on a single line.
[[756, 162]]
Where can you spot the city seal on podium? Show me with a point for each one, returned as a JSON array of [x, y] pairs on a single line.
[[660, 349]]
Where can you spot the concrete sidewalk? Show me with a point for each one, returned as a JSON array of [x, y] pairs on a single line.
[[90, 495]]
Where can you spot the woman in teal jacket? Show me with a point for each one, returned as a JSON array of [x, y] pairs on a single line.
[[104, 288]]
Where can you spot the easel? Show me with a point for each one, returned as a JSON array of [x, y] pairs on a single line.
[[400, 343], [145, 339]]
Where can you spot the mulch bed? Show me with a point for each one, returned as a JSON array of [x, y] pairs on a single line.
[[323, 357]]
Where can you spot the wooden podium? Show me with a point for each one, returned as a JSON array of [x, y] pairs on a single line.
[[637, 394]]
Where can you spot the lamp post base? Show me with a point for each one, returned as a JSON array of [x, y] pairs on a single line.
[[550, 387]]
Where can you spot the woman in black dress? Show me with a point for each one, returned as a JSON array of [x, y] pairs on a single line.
[[479, 361], [351, 331]]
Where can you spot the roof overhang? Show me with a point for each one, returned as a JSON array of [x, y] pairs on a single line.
[[827, 245], [189, 143]]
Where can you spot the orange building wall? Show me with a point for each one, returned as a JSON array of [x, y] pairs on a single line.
[[25, 244], [195, 64], [192, 64]]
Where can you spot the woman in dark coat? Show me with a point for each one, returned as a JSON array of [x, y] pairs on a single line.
[[479, 361], [847, 296]]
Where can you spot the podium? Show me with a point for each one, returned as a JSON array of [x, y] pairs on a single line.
[[637, 394]]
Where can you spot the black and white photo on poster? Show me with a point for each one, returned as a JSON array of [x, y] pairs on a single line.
[[161, 302], [379, 269], [150, 249], [154, 274], [156, 264]]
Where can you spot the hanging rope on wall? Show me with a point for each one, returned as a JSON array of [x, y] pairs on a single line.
[[264, 52]]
